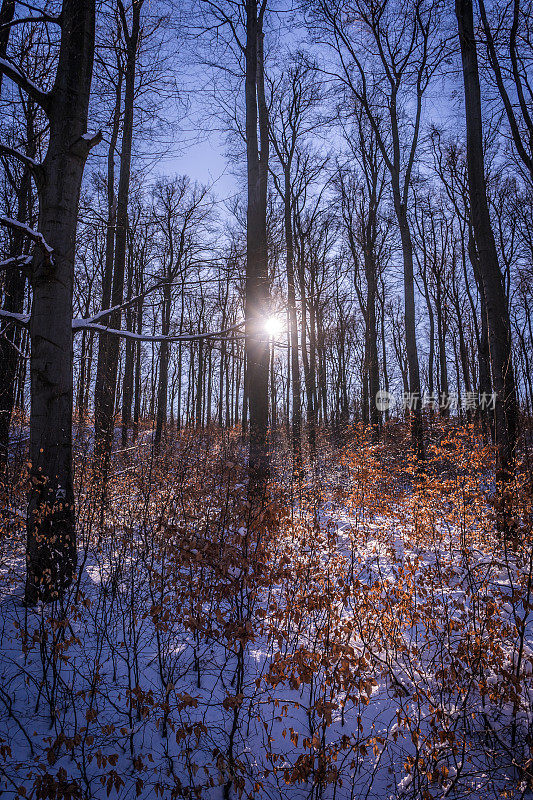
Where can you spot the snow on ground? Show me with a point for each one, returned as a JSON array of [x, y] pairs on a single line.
[[339, 658]]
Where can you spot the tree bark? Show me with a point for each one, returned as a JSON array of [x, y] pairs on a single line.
[[296, 413], [7, 12], [51, 539], [14, 286], [107, 278], [164, 353], [371, 327], [105, 403], [257, 286], [417, 431], [497, 312], [127, 384]]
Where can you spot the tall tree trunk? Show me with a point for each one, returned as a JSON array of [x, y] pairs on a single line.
[[310, 411], [238, 367], [372, 336], [457, 376], [485, 380], [180, 358], [384, 355], [105, 404], [497, 312], [364, 385], [88, 370], [417, 431], [107, 278], [7, 12], [15, 283], [313, 355], [164, 352], [257, 286], [14, 286], [245, 415], [210, 385], [296, 414], [273, 396], [322, 371], [200, 384], [51, 536], [443, 365], [221, 368], [138, 373], [127, 385]]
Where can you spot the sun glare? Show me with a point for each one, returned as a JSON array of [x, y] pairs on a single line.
[[273, 326]]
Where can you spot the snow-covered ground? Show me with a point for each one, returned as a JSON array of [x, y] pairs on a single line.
[[324, 653]]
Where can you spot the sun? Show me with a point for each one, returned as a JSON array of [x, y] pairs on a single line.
[[273, 326]]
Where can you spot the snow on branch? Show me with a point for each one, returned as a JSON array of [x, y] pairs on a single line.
[[84, 325], [37, 237], [16, 262], [83, 145], [26, 160], [127, 303], [24, 83], [19, 319]]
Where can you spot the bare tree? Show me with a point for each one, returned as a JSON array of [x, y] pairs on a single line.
[[294, 98], [510, 64], [498, 323], [178, 213], [361, 195], [450, 165], [109, 345], [388, 76], [245, 22], [51, 541]]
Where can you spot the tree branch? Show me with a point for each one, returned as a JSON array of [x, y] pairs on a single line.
[[23, 82], [34, 167], [16, 262], [37, 237], [19, 319], [40, 18], [84, 325]]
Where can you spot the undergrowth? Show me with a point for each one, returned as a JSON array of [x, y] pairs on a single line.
[[365, 633]]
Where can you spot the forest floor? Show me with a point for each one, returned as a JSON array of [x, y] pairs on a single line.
[[363, 635]]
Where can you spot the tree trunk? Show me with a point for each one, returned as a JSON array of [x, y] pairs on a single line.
[[200, 384], [14, 286], [138, 375], [7, 12], [296, 416], [15, 280], [372, 336], [51, 538], [105, 404], [485, 380], [497, 312], [164, 352], [107, 278], [431, 357], [208, 412], [257, 287], [310, 410], [417, 431], [443, 365], [127, 385]]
